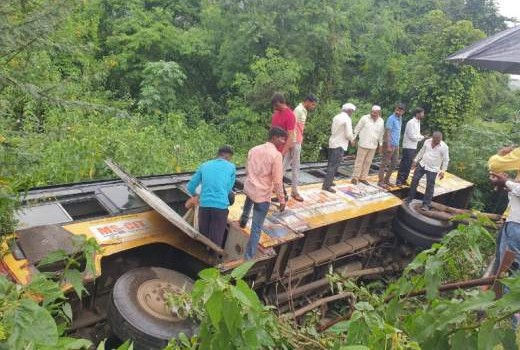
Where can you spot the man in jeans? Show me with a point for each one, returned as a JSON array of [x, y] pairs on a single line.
[[432, 160], [264, 171], [216, 178], [507, 159], [391, 145], [412, 135], [341, 135], [292, 158], [509, 236]]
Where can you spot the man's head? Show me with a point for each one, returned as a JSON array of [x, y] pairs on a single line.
[[375, 112], [277, 136], [278, 102], [225, 152], [418, 113], [436, 138], [400, 108], [348, 108], [309, 102]]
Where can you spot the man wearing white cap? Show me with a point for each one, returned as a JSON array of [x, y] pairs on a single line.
[[370, 130], [338, 143]]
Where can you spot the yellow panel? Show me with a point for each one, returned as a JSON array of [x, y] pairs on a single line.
[[450, 183], [320, 208], [121, 233]]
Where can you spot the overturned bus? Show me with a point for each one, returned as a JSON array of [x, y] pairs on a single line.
[[149, 248]]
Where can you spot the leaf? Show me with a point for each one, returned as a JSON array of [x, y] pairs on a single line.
[[488, 336], [214, 307], [509, 339], [49, 290], [240, 271], [55, 256], [246, 295], [232, 317], [464, 340], [67, 343], [75, 278], [354, 347], [32, 323], [209, 274]]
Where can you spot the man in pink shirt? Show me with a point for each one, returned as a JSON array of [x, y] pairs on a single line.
[[264, 171]]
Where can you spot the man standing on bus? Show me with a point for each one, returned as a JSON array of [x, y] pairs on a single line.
[[412, 135], [292, 158], [391, 145], [216, 178], [264, 175]]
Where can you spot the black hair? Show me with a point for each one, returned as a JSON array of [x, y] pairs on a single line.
[[417, 110], [276, 132], [400, 106], [225, 149], [277, 98], [311, 98]]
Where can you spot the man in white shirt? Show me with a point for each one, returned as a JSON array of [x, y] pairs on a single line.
[[509, 237], [341, 135], [412, 135], [432, 160], [370, 130], [292, 158]]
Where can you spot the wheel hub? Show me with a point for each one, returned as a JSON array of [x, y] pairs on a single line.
[[151, 296]]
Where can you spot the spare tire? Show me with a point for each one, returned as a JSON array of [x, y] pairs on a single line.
[[412, 236], [138, 311], [409, 215]]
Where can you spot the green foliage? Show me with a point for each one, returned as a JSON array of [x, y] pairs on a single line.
[[159, 87], [231, 315], [458, 320]]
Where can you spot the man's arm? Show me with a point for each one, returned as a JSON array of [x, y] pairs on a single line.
[[412, 133], [507, 162], [277, 172], [445, 159], [419, 155], [348, 130], [232, 179], [514, 187], [445, 162], [359, 126], [194, 181]]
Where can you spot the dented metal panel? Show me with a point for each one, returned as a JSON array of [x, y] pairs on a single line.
[[320, 208]]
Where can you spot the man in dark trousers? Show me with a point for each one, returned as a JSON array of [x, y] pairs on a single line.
[[432, 161], [341, 135], [391, 145], [412, 135], [216, 178]]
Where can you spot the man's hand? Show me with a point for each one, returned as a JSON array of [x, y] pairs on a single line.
[[388, 148], [498, 180], [414, 165], [441, 175], [353, 143], [282, 207], [380, 150], [505, 150]]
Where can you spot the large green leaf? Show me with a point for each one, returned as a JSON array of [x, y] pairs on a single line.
[[75, 278], [214, 307], [32, 324], [240, 271]]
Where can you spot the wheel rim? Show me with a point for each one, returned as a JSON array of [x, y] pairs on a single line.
[[151, 296]]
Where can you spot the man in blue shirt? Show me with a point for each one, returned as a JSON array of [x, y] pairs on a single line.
[[391, 145], [216, 178]]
